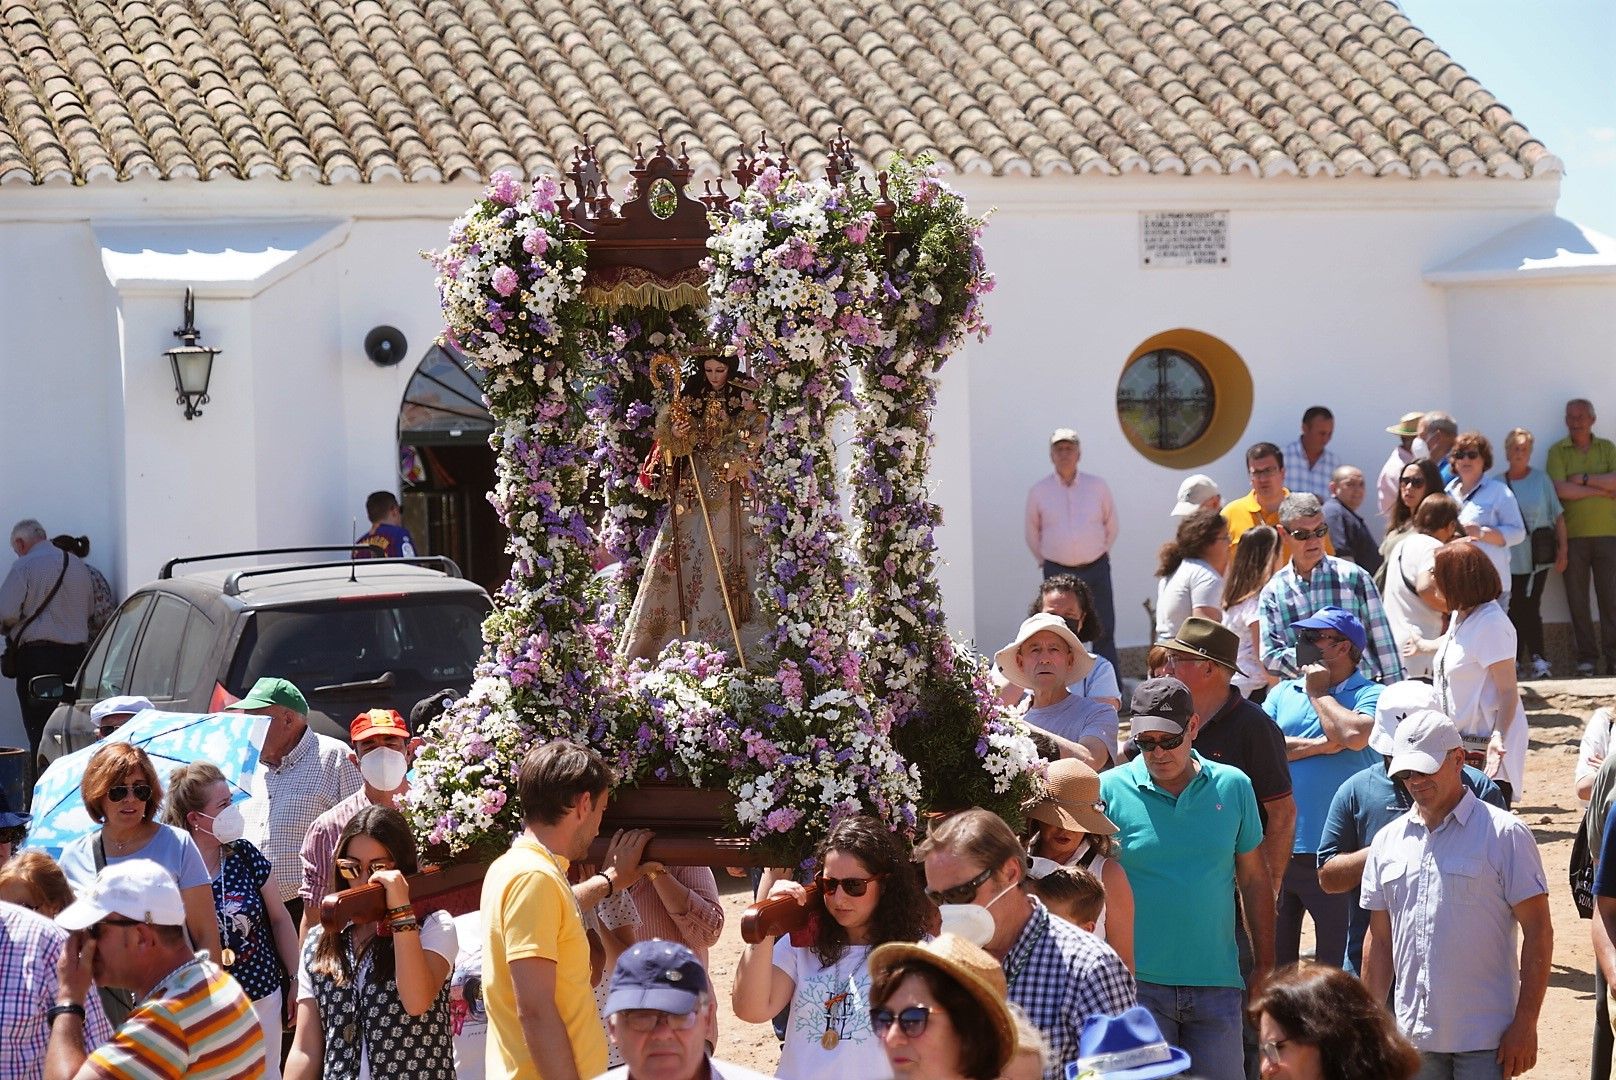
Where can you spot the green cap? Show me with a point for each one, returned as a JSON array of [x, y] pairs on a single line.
[[267, 691]]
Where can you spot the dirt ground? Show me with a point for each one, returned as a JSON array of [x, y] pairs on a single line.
[[1557, 709]]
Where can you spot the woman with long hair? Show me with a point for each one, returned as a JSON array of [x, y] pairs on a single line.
[[1255, 561], [1415, 614], [1419, 478], [256, 932], [871, 895], [1191, 567], [1316, 1022], [369, 1002]]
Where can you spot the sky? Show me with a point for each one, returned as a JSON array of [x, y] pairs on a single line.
[[1550, 63]]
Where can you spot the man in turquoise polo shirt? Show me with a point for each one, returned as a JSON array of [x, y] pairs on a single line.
[[1326, 717], [1187, 827]]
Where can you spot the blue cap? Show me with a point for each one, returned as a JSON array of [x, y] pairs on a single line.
[[1128, 1046], [1340, 620], [661, 975]]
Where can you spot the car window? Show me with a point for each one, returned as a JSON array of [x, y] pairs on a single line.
[[159, 653], [199, 636], [105, 674]]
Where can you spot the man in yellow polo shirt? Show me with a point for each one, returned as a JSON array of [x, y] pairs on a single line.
[[1265, 464], [542, 1020]]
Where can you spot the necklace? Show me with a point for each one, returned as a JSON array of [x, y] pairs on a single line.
[[835, 1018], [121, 846]]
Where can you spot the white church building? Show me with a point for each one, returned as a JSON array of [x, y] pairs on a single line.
[[1287, 204]]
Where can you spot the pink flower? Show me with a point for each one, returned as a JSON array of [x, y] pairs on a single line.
[[505, 281], [858, 231], [503, 189], [536, 242], [544, 195], [768, 182]]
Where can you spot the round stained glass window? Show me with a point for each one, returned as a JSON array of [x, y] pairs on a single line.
[[1165, 399]]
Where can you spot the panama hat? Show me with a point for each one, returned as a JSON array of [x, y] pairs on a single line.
[[977, 973], [1071, 799], [1010, 663]]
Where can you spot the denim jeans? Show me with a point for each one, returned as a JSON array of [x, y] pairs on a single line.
[[1204, 1020], [1470, 1065], [1301, 895]]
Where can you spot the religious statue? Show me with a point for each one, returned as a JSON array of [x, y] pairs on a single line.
[[702, 568]]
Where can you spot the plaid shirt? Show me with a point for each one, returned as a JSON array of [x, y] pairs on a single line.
[[314, 776], [1314, 478], [30, 946], [1060, 976], [1287, 598]]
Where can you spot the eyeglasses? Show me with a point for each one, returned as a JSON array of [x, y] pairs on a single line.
[[95, 928], [852, 886], [1167, 742], [961, 893], [1258, 474], [353, 870], [911, 1021], [1318, 637], [1411, 481], [1465, 455], [123, 791], [1271, 1049], [646, 1020], [1309, 534]]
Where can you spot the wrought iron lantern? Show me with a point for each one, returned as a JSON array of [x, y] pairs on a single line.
[[192, 363]]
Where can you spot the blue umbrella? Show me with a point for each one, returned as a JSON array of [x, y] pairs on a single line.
[[230, 740]]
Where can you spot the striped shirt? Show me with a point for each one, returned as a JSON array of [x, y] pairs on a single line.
[[314, 776], [698, 928], [30, 949], [197, 1023], [319, 854]]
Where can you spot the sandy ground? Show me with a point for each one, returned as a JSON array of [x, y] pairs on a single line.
[[1558, 710]]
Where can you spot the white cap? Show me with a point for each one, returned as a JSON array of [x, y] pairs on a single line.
[[1396, 703], [1062, 434], [1422, 741], [1194, 491], [113, 706], [136, 889]]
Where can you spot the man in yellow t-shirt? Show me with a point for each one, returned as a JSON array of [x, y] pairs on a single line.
[[1265, 464], [542, 1020]]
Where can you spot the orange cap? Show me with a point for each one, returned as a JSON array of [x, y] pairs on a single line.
[[377, 722]]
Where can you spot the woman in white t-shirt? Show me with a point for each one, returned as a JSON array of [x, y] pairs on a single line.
[[1074, 831], [1191, 568], [1416, 616], [1254, 562], [870, 894], [370, 1004], [1475, 667]]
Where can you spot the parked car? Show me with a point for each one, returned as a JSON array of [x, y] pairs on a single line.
[[353, 634]]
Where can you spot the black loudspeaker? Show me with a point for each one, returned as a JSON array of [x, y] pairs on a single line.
[[385, 345]]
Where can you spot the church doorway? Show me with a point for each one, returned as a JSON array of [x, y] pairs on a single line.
[[448, 469]]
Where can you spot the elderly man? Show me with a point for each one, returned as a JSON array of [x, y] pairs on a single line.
[[128, 932], [1386, 485], [1310, 462], [1369, 801], [1059, 975], [305, 774], [1583, 468], [30, 950], [1314, 579], [1446, 885], [1349, 533], [1437, 433], [1071, 525], [1188, 827], [46, 603], [659, 1009]]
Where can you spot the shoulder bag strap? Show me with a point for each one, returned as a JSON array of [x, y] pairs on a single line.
[[100, 853], [40, 610]]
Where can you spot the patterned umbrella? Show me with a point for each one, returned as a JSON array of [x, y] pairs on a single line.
[[230, 740]]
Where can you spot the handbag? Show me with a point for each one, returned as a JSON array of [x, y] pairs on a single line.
[[1545, 546], [1581, 869], [8, 659]]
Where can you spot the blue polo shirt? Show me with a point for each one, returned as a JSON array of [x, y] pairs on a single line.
[[1366, 804], [1179, 853], [1316, 779]]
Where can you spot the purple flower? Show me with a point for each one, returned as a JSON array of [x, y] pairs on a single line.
[[503, 188]]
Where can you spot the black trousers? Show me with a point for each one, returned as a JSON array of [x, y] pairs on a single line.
[[42, 658], [1525, 611]]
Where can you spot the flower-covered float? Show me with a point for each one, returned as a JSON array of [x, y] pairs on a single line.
[[666, 375]]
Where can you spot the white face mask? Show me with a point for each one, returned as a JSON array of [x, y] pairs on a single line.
[[228, 825], [1419, 449], [383, 768], [973, 922]]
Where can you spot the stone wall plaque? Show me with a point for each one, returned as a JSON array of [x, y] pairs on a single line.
[[1184, 238]]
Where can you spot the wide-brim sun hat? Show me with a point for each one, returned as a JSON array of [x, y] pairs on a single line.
[[977, 972], [1128, 1046], [1071, 799], [1010, 663]]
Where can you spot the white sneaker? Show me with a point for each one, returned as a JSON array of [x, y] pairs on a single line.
[[1541, 668]]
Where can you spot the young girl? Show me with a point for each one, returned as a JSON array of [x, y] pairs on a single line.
[[1254, 562], [871, 896], [374, 1003]]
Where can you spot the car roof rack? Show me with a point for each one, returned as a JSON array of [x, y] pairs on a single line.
[[168, 568], [232, 581]]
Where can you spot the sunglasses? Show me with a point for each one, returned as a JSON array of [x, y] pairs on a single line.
[[1411, 481], [1465, 455], [123, 791], [958, 894], [95, 928], [1318, 637], [1166, 742], [911, 1021], [352, 869], [852, 886], [1309, 534], [646, 1020]]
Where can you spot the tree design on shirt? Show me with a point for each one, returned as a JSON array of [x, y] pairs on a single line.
[[831, 1001]]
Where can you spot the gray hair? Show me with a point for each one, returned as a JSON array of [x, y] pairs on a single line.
[[28, 529], [1436, 420], [1298, 505]]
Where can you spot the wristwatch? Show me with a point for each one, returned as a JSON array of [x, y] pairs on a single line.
[[64, 1008]]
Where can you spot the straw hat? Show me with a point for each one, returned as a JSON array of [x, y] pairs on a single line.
[[978, 973], [1071, 799], [1010, 663]]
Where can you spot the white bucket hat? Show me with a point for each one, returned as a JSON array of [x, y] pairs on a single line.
[[1010, 662]]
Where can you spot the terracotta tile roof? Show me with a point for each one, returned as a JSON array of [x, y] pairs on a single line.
[[427, 91]]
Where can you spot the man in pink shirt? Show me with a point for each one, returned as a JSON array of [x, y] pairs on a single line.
[[1071, 525]]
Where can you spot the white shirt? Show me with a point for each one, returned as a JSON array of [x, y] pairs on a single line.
[[1387, 489], [1409, 615], [1473, 643], [1194, 584], [829, 999], [1595, 744], [1240, 618]]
